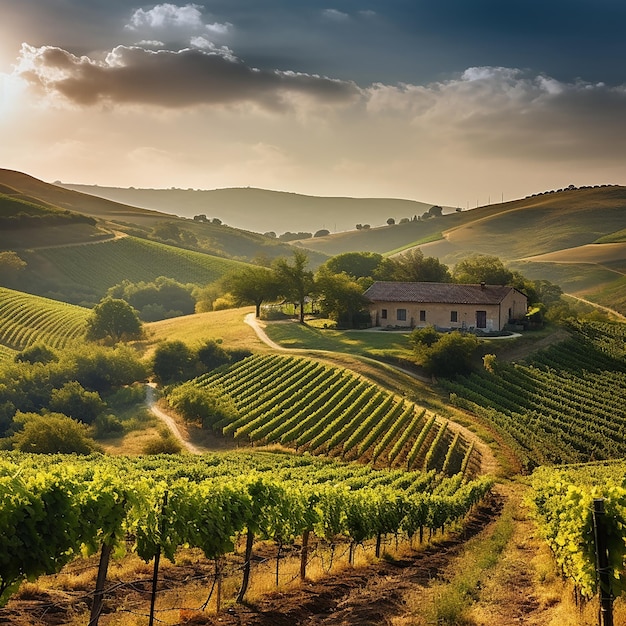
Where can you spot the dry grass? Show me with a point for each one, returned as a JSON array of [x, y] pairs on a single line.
[[227, 325]]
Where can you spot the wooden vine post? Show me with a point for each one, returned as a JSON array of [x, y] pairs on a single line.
[[157, 560], [602, 563]]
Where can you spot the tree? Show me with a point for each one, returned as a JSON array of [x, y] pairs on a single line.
[[340, 297], [52, 433], [73, 400], [391, 221], [174, 361], [202, 405], [449, 356], [160, 299], [115, 320], [11, 266], [323, 232], [252, 285], [37, 353], [295, 281], [212, 355], [480, 268], [413, 266], [435, 211], [355, 264]]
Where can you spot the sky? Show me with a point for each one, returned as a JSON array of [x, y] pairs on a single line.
[[455, 102]]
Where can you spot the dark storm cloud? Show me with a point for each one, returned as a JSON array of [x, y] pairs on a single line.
[[172, 79]]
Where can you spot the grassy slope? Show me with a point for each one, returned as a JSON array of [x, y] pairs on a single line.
[[226, 325], [233, 242], [85, 272]]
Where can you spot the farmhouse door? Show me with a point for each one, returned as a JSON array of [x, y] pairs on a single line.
[[481, 319]]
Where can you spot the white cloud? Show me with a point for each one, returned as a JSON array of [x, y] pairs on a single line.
[[175, 21], [165, 15], [335, 15]]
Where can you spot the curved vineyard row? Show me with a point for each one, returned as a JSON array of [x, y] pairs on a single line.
[[322, 409], [26, 319], [109, 263], [567, 404], [55, 507]]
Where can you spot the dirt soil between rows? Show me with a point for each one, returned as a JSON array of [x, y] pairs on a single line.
[[371, 595]]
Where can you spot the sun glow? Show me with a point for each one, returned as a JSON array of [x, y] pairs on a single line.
[[11, 90]]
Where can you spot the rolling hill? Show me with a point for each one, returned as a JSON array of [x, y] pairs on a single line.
[[262, 210], [112, 216], [573, 238]]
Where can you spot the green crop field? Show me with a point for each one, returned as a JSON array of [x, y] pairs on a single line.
[[26, 319], [94, 268], [566, 404], [315, 407]]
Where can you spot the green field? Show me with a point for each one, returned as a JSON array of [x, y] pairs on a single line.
[[565, 404], [86, 272], [359, 342], [324, 409], [26, 319]]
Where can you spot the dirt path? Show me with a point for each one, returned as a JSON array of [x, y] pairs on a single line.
[[168, 420]]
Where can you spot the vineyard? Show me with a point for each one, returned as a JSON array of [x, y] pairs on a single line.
[[563, 499], [321, 409], [26, 319], [58, 507], [566, 404], [95, 268]]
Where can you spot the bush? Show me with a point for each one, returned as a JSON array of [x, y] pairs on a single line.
[[51, 434], [166, 444], [173, 361], [74, 401], [202, 405], [107, 426], [449, 356], [37, 353]]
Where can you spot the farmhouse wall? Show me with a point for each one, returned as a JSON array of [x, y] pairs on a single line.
[[455, 316]]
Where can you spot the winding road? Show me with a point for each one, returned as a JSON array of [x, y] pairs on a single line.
[[168, 420]]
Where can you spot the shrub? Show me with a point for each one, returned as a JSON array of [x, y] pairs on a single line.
[[202, 405], [51, 434]]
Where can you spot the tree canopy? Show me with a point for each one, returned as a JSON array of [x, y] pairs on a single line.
[[113, 319], [482, 268], [296, 282], [413, 266], [51, 434], [252, 285], [355, 264], [160, 299]]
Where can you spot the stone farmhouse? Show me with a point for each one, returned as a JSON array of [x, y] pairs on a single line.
[[445, 305]]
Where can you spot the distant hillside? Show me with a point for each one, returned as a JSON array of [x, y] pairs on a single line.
[[574, 238], [209, 238], [262, 210]]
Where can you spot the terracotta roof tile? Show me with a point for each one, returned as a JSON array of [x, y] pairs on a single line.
[[445, 293]]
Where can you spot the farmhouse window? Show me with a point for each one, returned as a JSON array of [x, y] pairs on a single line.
[[401, 315], [454, 316], [422, 316], [383, 314]]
